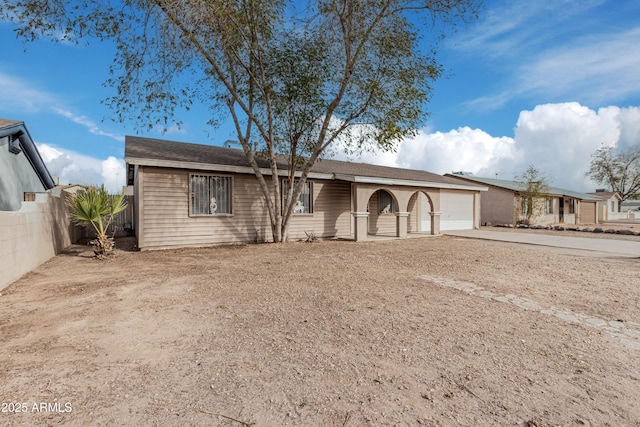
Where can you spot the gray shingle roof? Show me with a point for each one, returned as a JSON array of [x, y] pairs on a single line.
[[157, 149], [517, 186], [604, 194]]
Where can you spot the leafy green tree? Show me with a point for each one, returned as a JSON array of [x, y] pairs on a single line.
[[533, 192], [94, 206], [618, 171], [294, 77]]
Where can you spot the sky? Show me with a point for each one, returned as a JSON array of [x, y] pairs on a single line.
[[542, 83]]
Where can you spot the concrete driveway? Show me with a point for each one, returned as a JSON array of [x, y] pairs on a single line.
[[618, 247]]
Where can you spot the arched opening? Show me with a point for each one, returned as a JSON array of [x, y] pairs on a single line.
[[382, 207], [420, 208]]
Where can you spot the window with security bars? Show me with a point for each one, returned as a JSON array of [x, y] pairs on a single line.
[[304, 204], [572, 206], [549, 206], [526, 204], [386, 204], [210, 194]]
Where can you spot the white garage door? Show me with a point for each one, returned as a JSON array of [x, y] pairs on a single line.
[[457, 211]]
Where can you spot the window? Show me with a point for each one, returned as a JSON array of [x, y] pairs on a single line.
[[525, 205], [549, 206], [572, 206], [613, 206], [210, 195], [304, 204], [386, 203]]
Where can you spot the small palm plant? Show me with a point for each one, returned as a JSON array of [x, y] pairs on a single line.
[[96, 207]]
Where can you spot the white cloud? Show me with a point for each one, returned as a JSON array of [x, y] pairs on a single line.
[[513, 28], [558, 139], [23, 97], [555, 51], [113, 174], [465, 149], [629, 126], [354, 143], [18, 97], [600, 69], [89, 124], [596, 71], [75, 168]]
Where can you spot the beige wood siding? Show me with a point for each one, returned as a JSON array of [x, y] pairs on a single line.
[[331, 212], [413, 225], [419, 214], [165, 219], [138, 184], [383, 224]]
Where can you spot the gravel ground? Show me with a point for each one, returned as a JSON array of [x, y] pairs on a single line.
[[436, 331]]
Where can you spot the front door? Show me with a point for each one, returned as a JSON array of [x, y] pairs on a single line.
[[561, 210]]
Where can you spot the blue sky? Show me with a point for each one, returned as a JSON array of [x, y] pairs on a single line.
[[542, 83]]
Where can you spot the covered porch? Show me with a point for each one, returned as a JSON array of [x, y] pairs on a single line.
[[391, 211]]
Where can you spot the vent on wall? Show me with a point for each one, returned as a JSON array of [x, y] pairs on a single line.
[[14, 143]]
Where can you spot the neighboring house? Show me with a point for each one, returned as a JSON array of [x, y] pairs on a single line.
[[502, 203], [71, 188], [22, 170], [198, 195], [33, 224], [630, 205], [609, 206]]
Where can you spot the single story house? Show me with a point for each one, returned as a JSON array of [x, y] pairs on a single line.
[[630, 206], [71, 188], [502, 203], [22, 171], [199, 195], [609, 205]]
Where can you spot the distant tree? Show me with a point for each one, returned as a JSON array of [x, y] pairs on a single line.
[[618, 171], [94, 206], [533, 192], [293, 80]]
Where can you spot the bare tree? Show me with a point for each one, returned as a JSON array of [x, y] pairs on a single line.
[[293, 80], [618, 171], [533, 192]]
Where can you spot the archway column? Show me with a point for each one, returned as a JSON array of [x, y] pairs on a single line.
[[435, 222], [401, 224], [361, 225]]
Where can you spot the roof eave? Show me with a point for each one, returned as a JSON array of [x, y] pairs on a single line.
[[214, 167], [30, 152], [406, 182]]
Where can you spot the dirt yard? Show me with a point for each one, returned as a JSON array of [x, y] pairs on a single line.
[[435, 331]]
